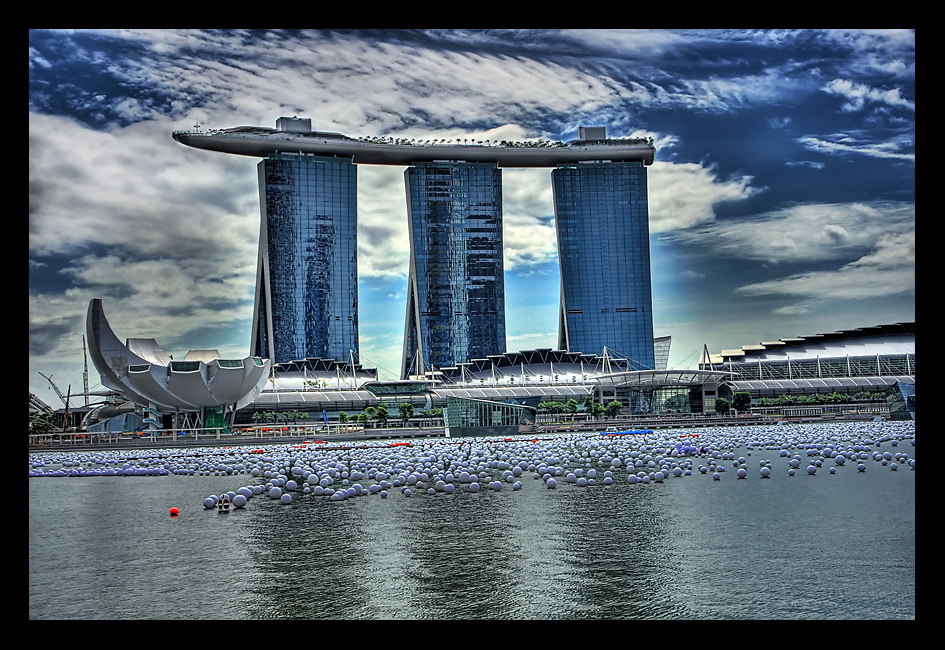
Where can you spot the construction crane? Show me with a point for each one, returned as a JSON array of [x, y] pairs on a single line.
[[64, 398], [55, 388], [85, 371]]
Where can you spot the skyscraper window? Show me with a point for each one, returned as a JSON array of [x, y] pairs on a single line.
[[307, 277], [601, 217], [456, 284]]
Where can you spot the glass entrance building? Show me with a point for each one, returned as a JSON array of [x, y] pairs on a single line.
[[307, 276], [456, 283], [601, 217]]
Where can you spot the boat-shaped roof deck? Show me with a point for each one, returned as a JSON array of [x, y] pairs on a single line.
[[260, 142]]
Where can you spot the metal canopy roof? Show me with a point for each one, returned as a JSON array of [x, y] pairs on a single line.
[[516, 392], [312, 397], [656, 378], [828, 383]]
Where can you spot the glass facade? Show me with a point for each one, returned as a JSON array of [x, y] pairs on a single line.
[[601, 217], [307, 278], [874, 365], [456, 283], [475, 417], [901, 400]]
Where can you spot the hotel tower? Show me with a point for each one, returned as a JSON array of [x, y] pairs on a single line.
[[306, 289]]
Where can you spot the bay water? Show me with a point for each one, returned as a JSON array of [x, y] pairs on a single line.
[[825, 546]]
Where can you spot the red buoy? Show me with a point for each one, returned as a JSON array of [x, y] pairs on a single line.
[[174, 512]]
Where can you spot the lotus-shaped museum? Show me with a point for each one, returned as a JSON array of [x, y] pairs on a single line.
[[141, 371]]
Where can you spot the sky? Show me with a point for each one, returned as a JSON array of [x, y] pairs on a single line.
[[781, 199]]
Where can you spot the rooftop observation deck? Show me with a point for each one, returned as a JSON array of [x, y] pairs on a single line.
[[258, 141]]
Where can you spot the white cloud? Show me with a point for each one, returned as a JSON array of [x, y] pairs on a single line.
[[683, 195], [345, 79], [858, 95], [138, 189], [887, 270], [35, 58], [842, 143], [805, 233], [806, 163], [887, 52], [383, 241], [529, 236]]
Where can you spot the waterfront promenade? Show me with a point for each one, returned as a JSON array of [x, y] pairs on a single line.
[[295, 434]]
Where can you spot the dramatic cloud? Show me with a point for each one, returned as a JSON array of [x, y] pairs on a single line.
[[683, 195], [843, 143], [858, 95], [887, 270], [807, 233]]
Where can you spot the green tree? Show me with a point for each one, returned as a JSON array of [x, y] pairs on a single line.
[[406, 411], [588, 403], [613, 408], [553, 407], [722, 405], [741, 401], [571, 406], [42, 423], [381, 414], [369, 414], [342, 417]]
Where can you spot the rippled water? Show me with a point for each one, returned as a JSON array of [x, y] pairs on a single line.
[[805, 547]]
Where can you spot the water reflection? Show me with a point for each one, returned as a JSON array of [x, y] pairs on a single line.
[[824, 546]]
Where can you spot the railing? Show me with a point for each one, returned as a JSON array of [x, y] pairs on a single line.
[[255, 434]]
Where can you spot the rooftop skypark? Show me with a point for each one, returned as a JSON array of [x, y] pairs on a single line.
[[295, 135]]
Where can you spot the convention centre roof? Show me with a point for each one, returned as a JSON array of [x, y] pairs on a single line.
[[891, 339]]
